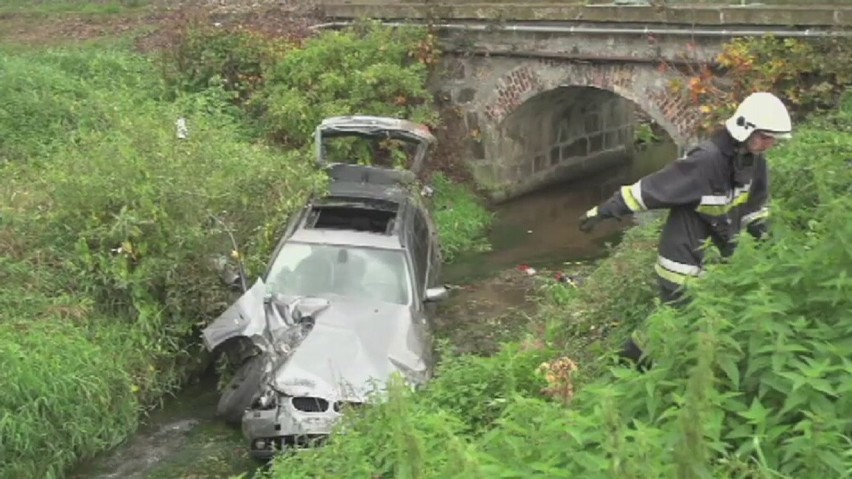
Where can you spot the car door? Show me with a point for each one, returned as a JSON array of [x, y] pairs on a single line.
[[436, 261], [420, 251]]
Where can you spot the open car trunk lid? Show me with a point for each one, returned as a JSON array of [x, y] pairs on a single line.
[[375, 127]]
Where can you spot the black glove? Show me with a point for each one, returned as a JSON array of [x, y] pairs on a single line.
[[590, 219], [760, 230]]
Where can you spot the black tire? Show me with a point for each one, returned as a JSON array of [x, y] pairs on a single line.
[[240, 390]]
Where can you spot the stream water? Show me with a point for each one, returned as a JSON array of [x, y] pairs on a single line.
[[541, 228], [183, 440]]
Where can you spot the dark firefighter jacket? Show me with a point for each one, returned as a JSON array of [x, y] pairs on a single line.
[[713, 192]]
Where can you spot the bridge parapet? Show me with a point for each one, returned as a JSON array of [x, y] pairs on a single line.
[[810, 16]]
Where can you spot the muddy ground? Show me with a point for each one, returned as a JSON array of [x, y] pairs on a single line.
[[153, 25]]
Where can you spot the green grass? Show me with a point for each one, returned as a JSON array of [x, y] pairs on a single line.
[[77, 7], [106, 241]]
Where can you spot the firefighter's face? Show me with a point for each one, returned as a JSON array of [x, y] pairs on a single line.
[[760, 142]]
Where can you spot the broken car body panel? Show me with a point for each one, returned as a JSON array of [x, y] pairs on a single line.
[[240, 319]]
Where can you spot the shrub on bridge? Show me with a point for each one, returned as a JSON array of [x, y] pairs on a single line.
[[807, 74]]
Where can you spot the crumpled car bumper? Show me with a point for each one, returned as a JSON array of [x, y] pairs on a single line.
[[293, 422]]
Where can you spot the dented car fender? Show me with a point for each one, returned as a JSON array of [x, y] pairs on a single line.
[[243, 318]]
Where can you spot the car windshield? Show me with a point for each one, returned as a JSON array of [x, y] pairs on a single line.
[[303, 269]]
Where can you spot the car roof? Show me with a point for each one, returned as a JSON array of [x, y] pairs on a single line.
[[346, 237]]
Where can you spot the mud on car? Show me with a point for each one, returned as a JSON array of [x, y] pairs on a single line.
[[346, 299]]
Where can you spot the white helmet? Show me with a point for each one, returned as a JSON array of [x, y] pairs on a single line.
[[762, 112]]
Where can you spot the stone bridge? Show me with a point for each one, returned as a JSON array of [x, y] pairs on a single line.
[[551, 91]]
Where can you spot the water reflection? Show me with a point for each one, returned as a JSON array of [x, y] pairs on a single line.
[[541, 228]]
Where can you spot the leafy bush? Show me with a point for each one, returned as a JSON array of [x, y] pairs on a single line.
[[203, 55], [410, 441], [377, 71], [476, 389], [424, 433], [808, 74]]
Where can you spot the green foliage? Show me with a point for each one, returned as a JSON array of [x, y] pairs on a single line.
[[751, 380], [644, 134], [233, 58], [461, 218], [47, 367], [376, 71], [590, 321], [412, 442], [808, 74], [47, 99], [477, 389], [106, 226], [419, 434]]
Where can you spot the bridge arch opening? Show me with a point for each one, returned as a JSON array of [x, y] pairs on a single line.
[[572, 132]]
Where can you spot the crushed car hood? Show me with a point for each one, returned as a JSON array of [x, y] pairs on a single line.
[[352, 350]]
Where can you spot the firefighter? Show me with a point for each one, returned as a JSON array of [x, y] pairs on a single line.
[[718, 189]]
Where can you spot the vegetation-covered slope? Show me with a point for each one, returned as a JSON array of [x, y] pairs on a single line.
[[109, 221]]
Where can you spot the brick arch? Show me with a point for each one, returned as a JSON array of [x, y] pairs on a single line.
[[644, 85]]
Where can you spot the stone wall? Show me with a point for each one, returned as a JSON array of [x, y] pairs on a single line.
[[533, 122]]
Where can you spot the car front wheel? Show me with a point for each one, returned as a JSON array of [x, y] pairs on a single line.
[[237, 396]]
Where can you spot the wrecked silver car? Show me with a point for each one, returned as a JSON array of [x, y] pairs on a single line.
[[345, 301]]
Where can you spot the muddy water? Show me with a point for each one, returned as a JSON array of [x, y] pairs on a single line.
[[541, 228], [490, 303], [183, 440]]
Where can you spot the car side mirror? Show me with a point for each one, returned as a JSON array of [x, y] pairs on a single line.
[[436, 294]]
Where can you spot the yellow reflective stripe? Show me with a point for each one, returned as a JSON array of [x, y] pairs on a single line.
[[592, 212], [755, 216], [636, 189], [630, 200], [677, 273], [723, 209], [676, 278], [680, 268]]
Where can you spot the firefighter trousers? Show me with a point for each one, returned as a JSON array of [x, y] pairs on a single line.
[[630, 352]]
